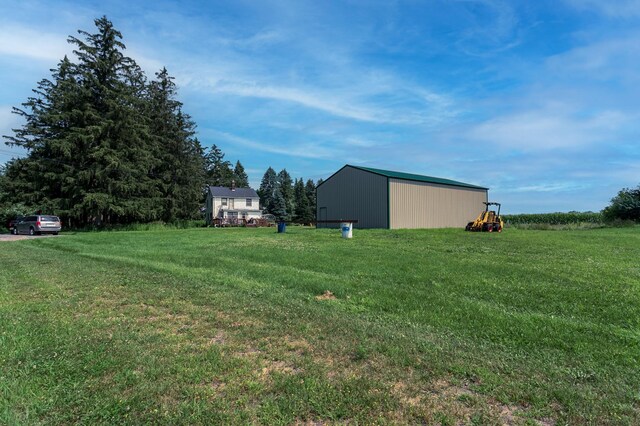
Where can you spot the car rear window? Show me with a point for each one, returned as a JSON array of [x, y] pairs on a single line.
[[50, 219]]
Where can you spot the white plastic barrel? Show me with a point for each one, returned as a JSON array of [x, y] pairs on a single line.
[[347, 229]]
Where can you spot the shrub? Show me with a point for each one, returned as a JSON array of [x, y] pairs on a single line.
[[149, 226], [625, 206], [9, 212], [621, 223]]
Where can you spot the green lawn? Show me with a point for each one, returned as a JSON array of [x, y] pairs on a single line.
[[224, 326]]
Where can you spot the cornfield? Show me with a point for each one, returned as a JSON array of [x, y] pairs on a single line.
[[553, 218]]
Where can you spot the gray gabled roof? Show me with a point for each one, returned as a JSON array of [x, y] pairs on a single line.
[[225, 191]]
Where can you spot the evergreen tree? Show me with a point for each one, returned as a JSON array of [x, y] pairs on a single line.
[[219, 171], [4, 195], [103, 145], [279, 208], [303, 211], [116, 152], [180, 172], [285, 186], [240, 176], [16, 184], [268, 189], [46, 178], [310, 190]]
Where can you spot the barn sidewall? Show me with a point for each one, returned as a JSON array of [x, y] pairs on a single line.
[[415, 204]]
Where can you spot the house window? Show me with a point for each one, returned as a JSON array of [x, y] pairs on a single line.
[[224, 201], [249, 201]]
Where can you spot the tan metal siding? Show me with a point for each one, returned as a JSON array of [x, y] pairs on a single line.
[[354, 194], [429, 205]]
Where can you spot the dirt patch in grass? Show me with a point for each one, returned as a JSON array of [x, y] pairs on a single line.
[[327, 295], [299, 422], [300, 346], [213, 388], [218, 339], [460, 403], [282, 367], [248, 352]]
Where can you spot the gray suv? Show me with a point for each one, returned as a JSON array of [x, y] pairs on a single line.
[[38, 224]]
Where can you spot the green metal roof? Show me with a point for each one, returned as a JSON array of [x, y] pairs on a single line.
[[417, 178]]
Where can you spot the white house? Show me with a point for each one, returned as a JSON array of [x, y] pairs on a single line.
[[231, 203]]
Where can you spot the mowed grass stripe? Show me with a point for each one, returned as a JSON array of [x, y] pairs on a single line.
[[269, 274], [559, 280], [332, 392], [437, 325]]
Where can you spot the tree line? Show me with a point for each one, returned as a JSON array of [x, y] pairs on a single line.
[[105, 145], [288, 199]]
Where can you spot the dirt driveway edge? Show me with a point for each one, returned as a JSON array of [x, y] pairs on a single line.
[[10, 237]]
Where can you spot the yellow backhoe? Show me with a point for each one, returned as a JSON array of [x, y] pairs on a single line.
[[488, 221]]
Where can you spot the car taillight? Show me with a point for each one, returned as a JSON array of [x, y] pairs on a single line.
[[38, 223]]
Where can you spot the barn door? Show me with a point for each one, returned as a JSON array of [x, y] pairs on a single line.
[[323, 216]]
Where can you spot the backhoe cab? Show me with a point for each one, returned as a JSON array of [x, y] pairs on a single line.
[[488, 221]]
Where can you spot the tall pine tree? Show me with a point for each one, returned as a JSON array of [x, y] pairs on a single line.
[[45, 179], [285, 186], [103, 145], [240, 176], [116, 153], [180, 172], [303, 212], [268, 189], [219, 171], [310, 190]]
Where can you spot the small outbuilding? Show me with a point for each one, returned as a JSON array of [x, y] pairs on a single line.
[[394, 200]]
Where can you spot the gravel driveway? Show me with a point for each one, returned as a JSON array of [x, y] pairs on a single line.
[[9, 237]]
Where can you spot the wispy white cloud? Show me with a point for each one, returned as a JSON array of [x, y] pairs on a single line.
[[32, 43], [21, 41], [305, 150], [362, 103], [581, 98], [360, 142], [550, 128], [614, 56], [330, 104], [548, 187], [313, 73], [260, 39], [482, 38], [148, 64], [626, 9]]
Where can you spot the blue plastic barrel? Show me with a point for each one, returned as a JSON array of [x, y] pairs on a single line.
[[282, 226]]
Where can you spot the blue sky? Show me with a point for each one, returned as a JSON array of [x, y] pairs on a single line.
[[538, 100]]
